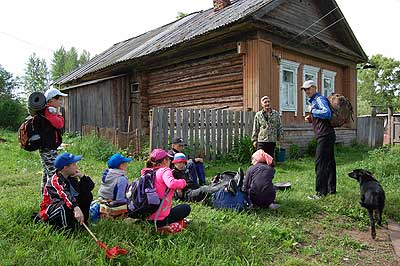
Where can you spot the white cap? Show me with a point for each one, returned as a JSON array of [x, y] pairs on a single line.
[[307, 84], [52, 92]]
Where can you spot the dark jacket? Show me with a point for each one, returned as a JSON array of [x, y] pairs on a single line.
[[63, 191], [184, 174], [50, 129], [258, 184], [321, 114]]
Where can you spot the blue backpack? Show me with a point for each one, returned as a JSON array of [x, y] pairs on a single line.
[[227, 200], [142, 197]]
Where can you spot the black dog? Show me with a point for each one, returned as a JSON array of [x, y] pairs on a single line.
[[372, 196]]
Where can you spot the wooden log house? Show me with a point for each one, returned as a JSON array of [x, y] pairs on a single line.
[[227, 56]]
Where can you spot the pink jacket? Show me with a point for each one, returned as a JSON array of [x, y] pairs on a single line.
[[164, 179]]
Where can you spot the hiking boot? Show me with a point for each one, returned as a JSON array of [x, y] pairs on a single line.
[[241, 177], [314, 197], [273, 206]]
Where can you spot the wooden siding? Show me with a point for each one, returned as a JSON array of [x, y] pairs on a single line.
[[104, 104], [210, 82], [257, 73]]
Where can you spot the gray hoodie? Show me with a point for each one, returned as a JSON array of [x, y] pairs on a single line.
[[113, 184]]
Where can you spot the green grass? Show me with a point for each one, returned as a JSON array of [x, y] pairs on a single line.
[[301, 232]]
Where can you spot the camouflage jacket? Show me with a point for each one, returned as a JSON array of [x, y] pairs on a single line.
[[267, 127]]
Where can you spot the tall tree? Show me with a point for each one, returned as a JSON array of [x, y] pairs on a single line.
[[36, 74], [58, 63], [7, 82], [380, 86], [71, 61], [83, 58]]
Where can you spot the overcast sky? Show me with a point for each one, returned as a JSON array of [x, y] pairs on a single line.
[[42, 26]]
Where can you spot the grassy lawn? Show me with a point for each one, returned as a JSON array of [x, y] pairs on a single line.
[[330, 231]]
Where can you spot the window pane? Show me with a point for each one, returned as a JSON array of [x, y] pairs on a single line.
[[308, 76], [288, 76]]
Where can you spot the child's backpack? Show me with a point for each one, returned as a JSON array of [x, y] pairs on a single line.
[[28, 134], [142, 197], [341, 108]]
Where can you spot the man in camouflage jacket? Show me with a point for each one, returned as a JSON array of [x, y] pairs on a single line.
[[267, 128]]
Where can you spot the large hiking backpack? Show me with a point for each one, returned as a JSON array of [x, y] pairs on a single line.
[[142, 197], [341, 108], [28, 134]]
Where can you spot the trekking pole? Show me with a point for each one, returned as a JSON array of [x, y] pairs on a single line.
[[90, 232]]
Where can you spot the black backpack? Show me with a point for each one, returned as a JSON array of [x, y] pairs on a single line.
[[28, 133], [142, 197]]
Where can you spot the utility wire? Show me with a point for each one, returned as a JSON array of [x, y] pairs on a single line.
[[26, 42], [324, 29]]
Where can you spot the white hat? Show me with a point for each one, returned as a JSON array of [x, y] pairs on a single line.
[[307, 84], [52, 92]]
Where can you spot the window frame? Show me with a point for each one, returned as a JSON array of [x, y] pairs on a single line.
[[287, 65], [327, 74], [314, 71]]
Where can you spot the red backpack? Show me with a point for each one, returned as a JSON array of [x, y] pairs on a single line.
[[341, 108], [28, 134]]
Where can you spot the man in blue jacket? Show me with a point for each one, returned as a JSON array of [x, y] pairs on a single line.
[[325, 165]]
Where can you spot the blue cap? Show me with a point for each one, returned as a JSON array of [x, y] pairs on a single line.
[[65, 159], [116, 160]]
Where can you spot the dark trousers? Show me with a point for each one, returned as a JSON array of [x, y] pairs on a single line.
[[196, 172], [199, 194], [268, 147], [176, 214], [63, 217], [325, 165]]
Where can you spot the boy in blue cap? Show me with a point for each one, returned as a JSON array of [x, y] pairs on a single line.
[[67, 194], [114, 181]]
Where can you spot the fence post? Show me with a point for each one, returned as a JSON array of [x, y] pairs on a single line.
[[390, 124], [372, 129]]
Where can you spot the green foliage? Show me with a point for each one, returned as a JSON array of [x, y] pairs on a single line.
[[12, 111], [242, 150], [36, 75], [91, 147], [64, 61], [381, 85], [312, 147], [8, 84], [181, 15], [294, 151]]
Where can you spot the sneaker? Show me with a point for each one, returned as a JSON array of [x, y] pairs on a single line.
[[273, 206], [241, 177], [232, 186], [314, 197]]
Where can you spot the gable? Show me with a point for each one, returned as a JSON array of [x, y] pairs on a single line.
[[310, 22]]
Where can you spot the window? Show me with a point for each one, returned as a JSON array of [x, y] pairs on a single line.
[[309, 73], [328, 82], [288, 86]]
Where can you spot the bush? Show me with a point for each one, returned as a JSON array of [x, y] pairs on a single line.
[[294, 151], [91, 147], [242, 150], [13, 113], [312, 147]]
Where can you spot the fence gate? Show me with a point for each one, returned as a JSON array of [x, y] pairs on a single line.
[[208, 132]]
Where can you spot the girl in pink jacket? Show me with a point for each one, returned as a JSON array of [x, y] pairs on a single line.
[[160, 161]]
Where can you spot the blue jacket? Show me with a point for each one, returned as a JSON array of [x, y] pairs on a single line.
[[321, 114], [320, 107]]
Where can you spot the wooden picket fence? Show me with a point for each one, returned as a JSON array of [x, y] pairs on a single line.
[[208, 132]]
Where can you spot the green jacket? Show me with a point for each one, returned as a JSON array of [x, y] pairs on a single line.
[[267, 127]]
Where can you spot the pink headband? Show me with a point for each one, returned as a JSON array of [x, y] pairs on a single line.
[[262, 157]]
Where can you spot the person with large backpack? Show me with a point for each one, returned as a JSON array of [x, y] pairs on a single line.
[[50, 132], [165, 185], [325, 165]]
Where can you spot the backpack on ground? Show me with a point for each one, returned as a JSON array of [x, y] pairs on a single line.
[[341, 108], [227, 200], [28, 134], [142, 196]]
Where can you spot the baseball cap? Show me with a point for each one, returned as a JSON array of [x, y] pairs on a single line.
[[159, 154], [179, 158], [307, 84], [117, 159], [178, 140], [53, 92], [66, 159]]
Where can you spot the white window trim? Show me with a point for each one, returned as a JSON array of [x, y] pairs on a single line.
[[312, 71], [328, 74], [290, 66]]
